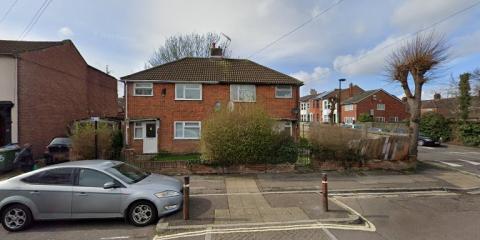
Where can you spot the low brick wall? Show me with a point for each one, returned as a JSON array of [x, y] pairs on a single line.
[[182, 167], [368, 165]]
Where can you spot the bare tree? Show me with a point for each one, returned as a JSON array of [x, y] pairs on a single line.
[[476, 77], [187, 45], [418, 59]]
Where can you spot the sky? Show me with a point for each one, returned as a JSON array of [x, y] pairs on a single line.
[[337, 39]]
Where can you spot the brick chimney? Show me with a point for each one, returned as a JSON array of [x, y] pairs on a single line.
[[437, 96], [313, 91], [216, 51]]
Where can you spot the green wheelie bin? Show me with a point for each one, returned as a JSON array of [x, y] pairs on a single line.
[[7, 155]]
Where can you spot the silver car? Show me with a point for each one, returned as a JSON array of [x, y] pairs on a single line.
[[87, 189]]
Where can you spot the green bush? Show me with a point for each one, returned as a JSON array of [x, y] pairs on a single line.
[[436, 126], [283, 149], [364, 117], [243, 136], [83, 140], [470, 133]]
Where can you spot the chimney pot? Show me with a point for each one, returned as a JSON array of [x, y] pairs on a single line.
[[437, 96], [216, 51], [313, 91]]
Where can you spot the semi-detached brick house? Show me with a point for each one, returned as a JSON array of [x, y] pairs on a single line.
[[44, 87], [166, 104], [378, 103]]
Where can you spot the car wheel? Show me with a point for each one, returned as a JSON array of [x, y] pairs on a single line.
[[16, 217], [421, 142], [142, 213]]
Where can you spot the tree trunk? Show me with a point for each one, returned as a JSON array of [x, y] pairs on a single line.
[[414, 106]]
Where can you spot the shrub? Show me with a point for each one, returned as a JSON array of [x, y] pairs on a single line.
[[436, 126], [364, 117], [470, 133], [242, 136], [283, 149], [333, 143], [83, 140]]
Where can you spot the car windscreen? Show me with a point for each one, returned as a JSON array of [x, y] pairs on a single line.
[[61, 141], [127, 173]]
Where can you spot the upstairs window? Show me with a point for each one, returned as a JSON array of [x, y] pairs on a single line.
[[348, 107], [283, 91], [143, 89], [381, 107], [242, 93], [188, 91]]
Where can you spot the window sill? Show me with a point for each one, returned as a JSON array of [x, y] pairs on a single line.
[[185, 99], [243, 101], [143, 95], [186, 138], [284, 97]]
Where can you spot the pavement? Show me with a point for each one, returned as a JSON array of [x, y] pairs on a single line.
[[436, 201], [460, 158]]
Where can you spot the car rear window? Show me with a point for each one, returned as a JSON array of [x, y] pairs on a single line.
[[57, 176]]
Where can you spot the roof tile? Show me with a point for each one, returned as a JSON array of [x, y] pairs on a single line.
[[214, 69]]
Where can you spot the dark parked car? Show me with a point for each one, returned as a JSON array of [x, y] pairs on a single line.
[[58, 150], [424, 140]]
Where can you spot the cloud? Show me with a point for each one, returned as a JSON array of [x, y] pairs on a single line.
[[367, 61], [416, 14], [65, 32], [466, 44], [318, 74]]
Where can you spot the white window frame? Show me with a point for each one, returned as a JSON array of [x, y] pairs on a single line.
[[183, 132], [184, 90], [135, 87], [348, 107], [137, 125], [382, 119], [381, 108], [232, 86], [290, 89]]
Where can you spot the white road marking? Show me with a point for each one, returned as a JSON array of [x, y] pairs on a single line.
[[329, 234], [451, 164], [471, 162], [428, 147], [318, 225], [111, 238], [208, 236]]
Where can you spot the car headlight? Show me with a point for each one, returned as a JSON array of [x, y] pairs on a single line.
[[168, 193]]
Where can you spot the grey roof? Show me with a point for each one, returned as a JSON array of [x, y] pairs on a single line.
[[14, 47], [308, 97], [359, 97], [223, 70]]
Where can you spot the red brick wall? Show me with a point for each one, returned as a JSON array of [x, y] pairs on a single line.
[[168, 110], [393, 108], [52, 93], [102, 99]]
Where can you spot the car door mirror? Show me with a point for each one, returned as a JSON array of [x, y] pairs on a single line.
[[110, 185]]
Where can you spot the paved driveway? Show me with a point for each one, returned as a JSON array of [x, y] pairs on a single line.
[[458, 157]]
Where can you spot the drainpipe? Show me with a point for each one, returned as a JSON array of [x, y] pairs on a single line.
[[127, 124]]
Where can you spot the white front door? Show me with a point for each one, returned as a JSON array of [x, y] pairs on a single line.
[[150, 140]]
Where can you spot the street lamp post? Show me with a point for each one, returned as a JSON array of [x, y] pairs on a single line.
[[339, 108]]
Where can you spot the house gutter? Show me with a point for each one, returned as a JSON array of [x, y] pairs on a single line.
[[169, 81]]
